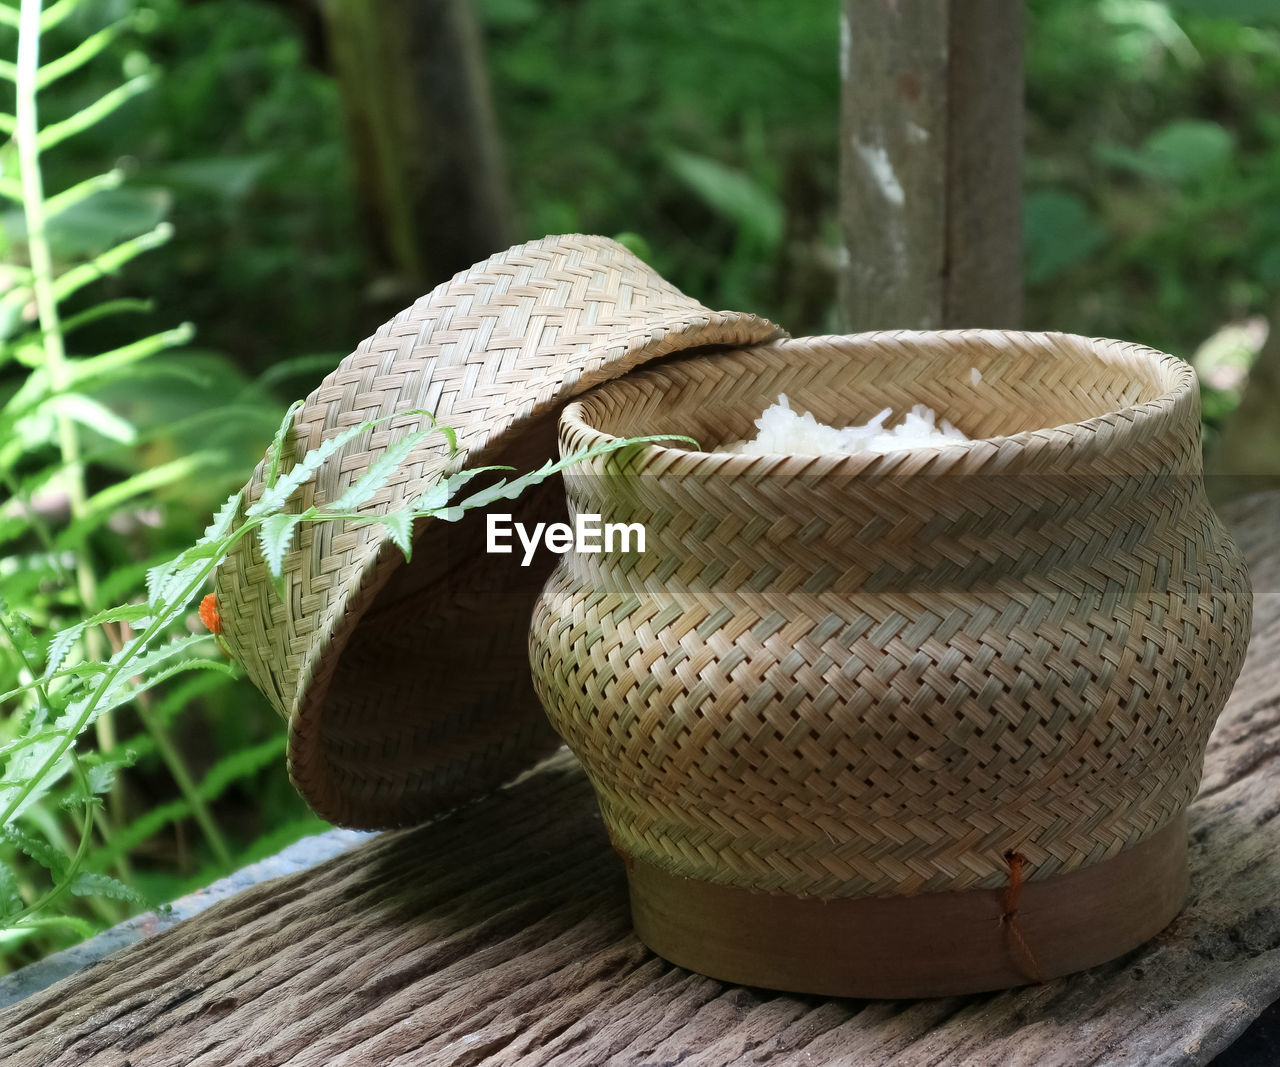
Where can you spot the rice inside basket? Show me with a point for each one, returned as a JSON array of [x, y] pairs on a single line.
[[784, 431]]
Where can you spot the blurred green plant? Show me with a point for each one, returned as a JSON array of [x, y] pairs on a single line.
[[53, 425], [710, 129], [86, 486], [1153, 168]]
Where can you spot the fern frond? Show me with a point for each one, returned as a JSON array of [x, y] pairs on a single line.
[[287, 484], [29, 924], [65, 640], [275, 451], [36, 848], [57, 13], [131, 835], [91, 414], [380, 470], [10, 893], [101, 311], [180, 696], [103, 504], [81, 54], [58, 132], [298, 366], [166, 581], [274, 537], [97, 368], [59, 203], [84, 274], [91, 883], [241, 765], [281, 837]]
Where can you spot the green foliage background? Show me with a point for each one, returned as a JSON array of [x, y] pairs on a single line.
[[709, 130], [706, 132]]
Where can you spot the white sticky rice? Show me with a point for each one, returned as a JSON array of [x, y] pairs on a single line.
[[783, 431]]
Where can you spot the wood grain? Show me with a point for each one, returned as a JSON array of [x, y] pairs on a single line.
[[931, 163], [499, 935]]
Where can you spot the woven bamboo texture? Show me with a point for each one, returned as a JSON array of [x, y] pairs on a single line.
[[874, 675], [406, 686]]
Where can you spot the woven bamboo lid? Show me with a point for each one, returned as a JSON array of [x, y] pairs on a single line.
[[406, 686]]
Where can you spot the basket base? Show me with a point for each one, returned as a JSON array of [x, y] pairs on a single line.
[[929, 945]]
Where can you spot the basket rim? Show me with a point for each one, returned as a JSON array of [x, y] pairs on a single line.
[[1180, 378]]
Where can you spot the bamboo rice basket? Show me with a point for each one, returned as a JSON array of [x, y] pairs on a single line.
[[911, 724]]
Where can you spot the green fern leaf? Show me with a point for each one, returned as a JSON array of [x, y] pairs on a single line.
[[178, 697], [73, 60], [101, 768], [107, 366], [81, 191], [167, 581], [64, 640], [240, 766], [444, 490], [128, 837], [56, 13], [221, 524], [380, 471], [75, 279], [299, 366], [104, 310], [274, 498], [106, 502], [281, 837], [57, 132], [399, 527], [274, 537], [92, 415], [50, 858], [93, 884], [10, 894]]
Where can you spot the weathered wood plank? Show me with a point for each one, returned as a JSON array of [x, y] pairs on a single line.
[[499, 935], [931, 163], [301, 855]]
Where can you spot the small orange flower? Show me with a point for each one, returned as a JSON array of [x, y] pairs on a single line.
[[210, 617], [209, 614]]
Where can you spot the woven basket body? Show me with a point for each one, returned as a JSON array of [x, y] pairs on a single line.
[[883, 676], [406, 686]]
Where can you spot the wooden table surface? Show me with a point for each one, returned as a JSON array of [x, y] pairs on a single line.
[[500, 935]]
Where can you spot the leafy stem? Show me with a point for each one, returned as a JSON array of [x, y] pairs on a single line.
[[66, 882], [44, 287], [119, 663]]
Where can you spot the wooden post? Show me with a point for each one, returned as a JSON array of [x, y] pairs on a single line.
[[931, 161], [424, 140]]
